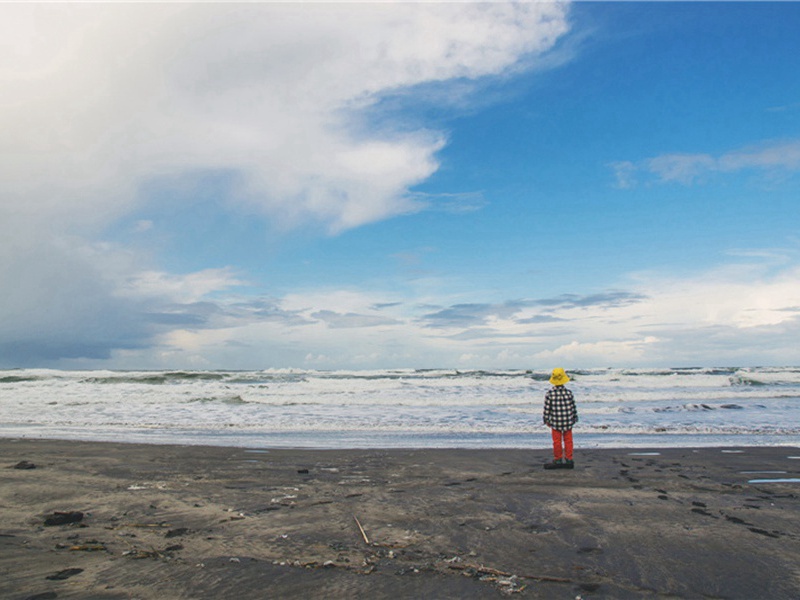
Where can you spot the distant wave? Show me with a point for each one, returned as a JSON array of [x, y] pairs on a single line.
[[744, 380], [157, 377], [222, 399], [18, 378], [735, 376], [695, 407]]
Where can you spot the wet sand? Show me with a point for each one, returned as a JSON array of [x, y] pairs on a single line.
[[155, 522]]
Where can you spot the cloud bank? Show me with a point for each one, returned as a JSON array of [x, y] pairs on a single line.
[[725, 316]]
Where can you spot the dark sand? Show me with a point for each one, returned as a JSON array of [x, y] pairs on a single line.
[[170, 522]]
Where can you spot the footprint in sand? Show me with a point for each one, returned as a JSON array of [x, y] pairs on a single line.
[[65, 574], [765, 532], [737, 520], [626, 474]]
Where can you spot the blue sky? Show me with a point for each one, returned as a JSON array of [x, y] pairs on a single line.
[[398, 185]]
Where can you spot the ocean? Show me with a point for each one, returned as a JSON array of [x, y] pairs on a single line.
[[631, 408]]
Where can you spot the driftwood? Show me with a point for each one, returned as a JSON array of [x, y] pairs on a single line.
[[89, 547], [490, 571], [361, 529]]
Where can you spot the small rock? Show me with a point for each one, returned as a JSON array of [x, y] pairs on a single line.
[[24, 464], [176, 532], [65, 574], [302, 471], [63, 518]]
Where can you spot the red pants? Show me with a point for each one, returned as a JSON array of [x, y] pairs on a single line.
[[558, 438]]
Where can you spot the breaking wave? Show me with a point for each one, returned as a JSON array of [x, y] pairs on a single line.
[[477, 408]]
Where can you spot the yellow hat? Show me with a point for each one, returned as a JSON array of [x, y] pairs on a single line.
[[559, 377]]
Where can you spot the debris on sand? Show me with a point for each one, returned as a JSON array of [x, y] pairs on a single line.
[[89, 546]]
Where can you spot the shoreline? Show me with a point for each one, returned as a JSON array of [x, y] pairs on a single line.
[[393, 440], [183, 521]]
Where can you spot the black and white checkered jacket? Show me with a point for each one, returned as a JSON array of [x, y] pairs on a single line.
[[559, 408]]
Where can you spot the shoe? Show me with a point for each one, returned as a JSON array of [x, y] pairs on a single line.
[[569, 464], [556, 464]]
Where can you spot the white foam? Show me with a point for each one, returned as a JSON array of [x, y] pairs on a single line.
[[789, 480], [654, 407]]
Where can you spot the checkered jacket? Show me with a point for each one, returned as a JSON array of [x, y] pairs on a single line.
[[559, 408]]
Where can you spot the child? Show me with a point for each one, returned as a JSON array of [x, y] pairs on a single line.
[[560, 415]]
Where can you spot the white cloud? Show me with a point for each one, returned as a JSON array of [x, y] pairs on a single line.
[[771, 158], [737, 297], [624, 172], [188, 288], [613, 352], [101, 100], [683, 168], [781, 155]]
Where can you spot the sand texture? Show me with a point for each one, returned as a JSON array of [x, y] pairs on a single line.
[[96, 520]]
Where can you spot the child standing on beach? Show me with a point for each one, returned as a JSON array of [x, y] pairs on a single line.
[[560, 415]]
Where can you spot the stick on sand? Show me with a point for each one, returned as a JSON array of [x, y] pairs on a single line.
[[363, 533]]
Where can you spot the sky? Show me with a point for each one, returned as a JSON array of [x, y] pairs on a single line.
[[399, 185]]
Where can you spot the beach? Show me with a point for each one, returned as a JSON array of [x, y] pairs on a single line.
[[115, 520]]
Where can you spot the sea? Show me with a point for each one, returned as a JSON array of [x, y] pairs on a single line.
[[403, 408]]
